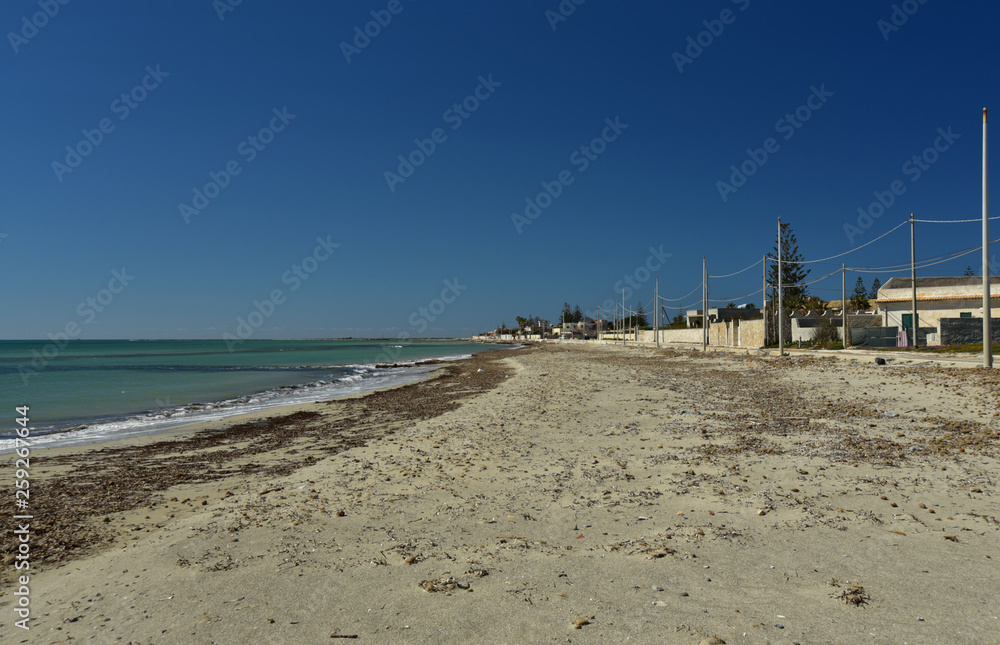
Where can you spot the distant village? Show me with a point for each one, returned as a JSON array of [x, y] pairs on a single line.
[[947, 309]]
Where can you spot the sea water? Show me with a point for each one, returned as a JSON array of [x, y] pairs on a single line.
[[85, 391]]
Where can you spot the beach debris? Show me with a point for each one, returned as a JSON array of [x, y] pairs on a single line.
[[879, 360], [444, 583], [715, 640], [855, 595], [478, 571], [581, 621]]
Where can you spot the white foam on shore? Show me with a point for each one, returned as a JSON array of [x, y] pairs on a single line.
[[366, 378]]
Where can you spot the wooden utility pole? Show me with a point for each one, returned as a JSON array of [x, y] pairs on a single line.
[[656, 312], [763, 296], [913, 278], [704, 306], [781, 325], [987, 336], [843, 303]]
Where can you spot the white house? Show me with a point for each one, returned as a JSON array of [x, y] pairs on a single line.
[[937, 298]]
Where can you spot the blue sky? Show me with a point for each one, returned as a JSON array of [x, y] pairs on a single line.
[[118, 113]]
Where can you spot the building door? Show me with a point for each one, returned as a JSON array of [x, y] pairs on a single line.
[[908, 326]]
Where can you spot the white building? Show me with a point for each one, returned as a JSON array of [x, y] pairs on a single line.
[[937, 298]]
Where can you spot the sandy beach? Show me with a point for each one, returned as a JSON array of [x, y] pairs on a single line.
[[564, 493]]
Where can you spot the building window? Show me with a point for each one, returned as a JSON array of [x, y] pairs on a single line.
[[965, 314]]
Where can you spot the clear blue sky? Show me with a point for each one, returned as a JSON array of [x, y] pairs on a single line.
[[875, 94]]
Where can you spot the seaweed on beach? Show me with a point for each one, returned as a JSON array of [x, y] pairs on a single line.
[[72, 509]]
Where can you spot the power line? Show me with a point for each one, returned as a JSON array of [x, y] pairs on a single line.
[[729, 275], [752, 293], [685, 295], [924, 263], [832, 257], [952, 221]]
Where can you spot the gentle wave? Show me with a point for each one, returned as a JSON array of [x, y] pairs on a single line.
[[363, 378]]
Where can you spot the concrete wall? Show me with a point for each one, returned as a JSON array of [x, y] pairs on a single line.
[[752, 333], [666, 336], [743, 333], [724, 334], [804, 327], [963, 331], [692, 335]]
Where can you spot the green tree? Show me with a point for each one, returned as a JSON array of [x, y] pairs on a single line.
[[577, 314], [969, 271], [876, 285], [640, 316], [566, 315], [521, 322], [793, 275], [860, 297]]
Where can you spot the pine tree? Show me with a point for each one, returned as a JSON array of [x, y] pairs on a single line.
[[640, 316], [792, 272], [577, 314], [566, 315], [860, 298], [876, 285], [969, 271]]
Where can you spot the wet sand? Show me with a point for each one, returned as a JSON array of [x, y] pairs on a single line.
[[568, 493]]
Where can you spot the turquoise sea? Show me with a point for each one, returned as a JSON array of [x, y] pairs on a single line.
[[84, 391]]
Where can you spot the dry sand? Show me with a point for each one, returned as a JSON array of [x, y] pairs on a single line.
[[568, 493]]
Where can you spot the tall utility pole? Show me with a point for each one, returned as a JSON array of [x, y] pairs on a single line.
[[843, 303], [656, 312], [781, 325], [704, 306], [913, 279], [623, 317], [763, 296], [987, 336]]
